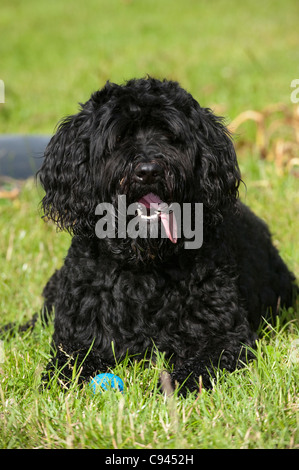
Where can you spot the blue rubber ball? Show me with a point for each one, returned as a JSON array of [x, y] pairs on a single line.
[[104, 382]]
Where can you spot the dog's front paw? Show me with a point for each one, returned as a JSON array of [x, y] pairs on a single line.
[[187, 380]]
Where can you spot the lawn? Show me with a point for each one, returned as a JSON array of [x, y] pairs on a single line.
[[232, 56]]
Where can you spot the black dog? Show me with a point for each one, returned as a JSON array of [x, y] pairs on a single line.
[[150, 141]]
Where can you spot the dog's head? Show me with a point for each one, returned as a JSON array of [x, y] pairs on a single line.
[[148, 140]]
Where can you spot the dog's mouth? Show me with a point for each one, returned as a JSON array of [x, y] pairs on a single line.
[[152, 209]]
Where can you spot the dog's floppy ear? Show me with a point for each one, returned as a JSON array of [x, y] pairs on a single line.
[[217, 171], [64, 170], [67, 173]]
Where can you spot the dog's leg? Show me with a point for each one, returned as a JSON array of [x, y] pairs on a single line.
[[69, 362], [201, 369]]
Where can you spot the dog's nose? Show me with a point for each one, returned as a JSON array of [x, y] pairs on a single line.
[[148, 172]]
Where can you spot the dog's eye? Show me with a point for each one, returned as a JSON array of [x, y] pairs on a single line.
[[172, 138]]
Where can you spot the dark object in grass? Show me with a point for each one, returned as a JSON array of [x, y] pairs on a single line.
[[21, 156]]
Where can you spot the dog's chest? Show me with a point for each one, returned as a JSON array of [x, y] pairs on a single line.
[[135, 310], [135, 296], [140, 310]]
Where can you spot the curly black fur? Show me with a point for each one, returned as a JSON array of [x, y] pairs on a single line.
[[201, 307]]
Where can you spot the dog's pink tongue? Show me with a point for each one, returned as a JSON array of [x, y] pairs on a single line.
[[153, 201]]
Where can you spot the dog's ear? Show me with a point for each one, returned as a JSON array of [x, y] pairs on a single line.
[[217, 171], [64, 171], [68, 174]]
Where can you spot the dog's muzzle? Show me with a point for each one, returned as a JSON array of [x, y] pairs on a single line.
[[149, 177]]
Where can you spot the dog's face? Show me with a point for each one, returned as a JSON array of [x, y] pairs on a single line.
[[149, 141]]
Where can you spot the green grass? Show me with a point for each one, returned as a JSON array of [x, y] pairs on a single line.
[[232, 56], [256, 407]]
